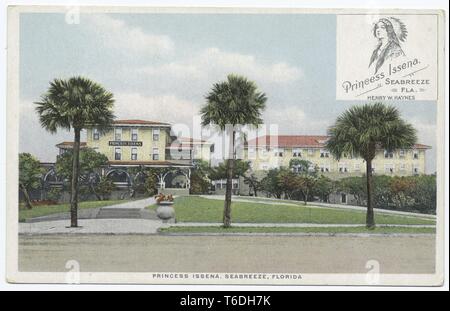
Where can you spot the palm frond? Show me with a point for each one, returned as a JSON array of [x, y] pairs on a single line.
[[75, 103]]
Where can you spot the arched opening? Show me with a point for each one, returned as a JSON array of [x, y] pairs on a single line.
[[119, 177], [51, 178], [176, 180]]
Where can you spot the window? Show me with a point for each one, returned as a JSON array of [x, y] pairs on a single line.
[[310, 152], [416, 170], [388, 154], [134, 153], [373, 168], [155, 154], [118, 134], [325, 168], [155, 134], [402, 167], [117, 153], [402, 153], [95, 134], [416, 154], [324, 153], [343, 168], [134, 134], [278, 152], [389, 168], [357, 167], [296, 152]]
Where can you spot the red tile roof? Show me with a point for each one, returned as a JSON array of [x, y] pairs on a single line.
[[420, 146], [149, 163], [191, 140], [289, 141], [139, 122], [69, 144], [292, 141]]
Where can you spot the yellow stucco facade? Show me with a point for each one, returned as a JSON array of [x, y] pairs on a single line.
[[400, 162], [146, 145], [145, 141]]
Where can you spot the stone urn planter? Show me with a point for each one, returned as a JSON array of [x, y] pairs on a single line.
[[165, 210]]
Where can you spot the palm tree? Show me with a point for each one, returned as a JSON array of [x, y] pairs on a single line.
[[231, 103], [361, 130], [76, 103]]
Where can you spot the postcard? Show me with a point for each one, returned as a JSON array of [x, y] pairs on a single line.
[[245, 146]]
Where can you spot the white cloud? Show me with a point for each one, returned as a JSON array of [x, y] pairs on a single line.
[[426, 134], [164, 108], [117, 34], [293, 121], [36, 140], [212, 64]]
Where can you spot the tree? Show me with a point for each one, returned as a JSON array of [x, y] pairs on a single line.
[[361, 131], [200, 182], [354, 186], [89, 164], [271, 185], [306, 184], [382, 195], [103, 188], [323, 188], [424, 193], [239, 169], [306, 178], [302, 167], [30, 173], [254, 184], [75, 104], [231, 103], [400, 187]]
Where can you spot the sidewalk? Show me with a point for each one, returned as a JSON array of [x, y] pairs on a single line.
[[136, 204], [291, 225], [93, 226]]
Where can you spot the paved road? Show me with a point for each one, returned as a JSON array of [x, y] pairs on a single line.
[[153, 253]]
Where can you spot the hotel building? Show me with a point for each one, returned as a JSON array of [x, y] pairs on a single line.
[[146, 144], [267, 152]]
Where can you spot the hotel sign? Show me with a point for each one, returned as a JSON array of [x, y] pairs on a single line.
[[126, 143]]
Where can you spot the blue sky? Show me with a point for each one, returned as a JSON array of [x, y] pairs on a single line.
[[160, 66]]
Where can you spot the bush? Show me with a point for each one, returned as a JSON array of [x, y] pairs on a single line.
[[104, 188], [54, 194]]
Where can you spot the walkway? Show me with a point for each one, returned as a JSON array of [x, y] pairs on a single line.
[[292, 225], [135, 204]]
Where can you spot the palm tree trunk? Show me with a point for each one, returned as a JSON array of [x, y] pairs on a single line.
[[229, 187], [26, 196], [74, 187], [370, 220]]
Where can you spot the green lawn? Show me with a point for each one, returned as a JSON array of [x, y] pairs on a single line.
[[197, 209], [362, 229], [43, 210]]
